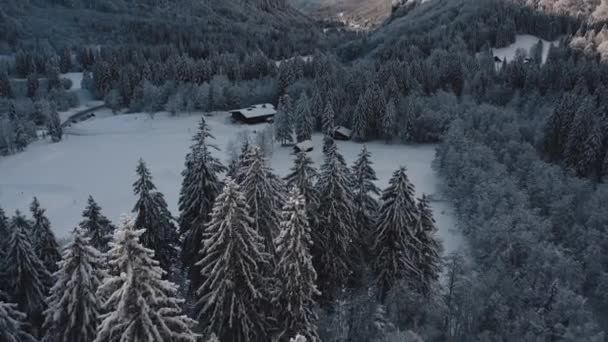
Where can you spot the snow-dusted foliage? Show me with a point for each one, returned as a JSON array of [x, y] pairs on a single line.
[[3, 232], [296, 291], [25, 274], [429, 247], [232, 295], [13, 324], [304, 120], [73, 306], [153, 216], [333, 236], [328, 118], [96, 226], [139, 304], [303, 176], [42, 238], [200, 186], [263, 192], [283, 128], [395, 241], [366, 192]]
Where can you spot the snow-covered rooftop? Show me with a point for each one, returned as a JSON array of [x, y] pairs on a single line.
[[255, 111], [343, 130], [305, 146]]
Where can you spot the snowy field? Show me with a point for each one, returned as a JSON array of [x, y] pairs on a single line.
[[99, 156], [524, 42]]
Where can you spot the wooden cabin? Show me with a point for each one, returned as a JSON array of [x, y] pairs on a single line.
[[255, 114]]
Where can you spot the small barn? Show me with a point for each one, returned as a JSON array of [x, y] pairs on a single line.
[[303, 146], [342, 133], [255, 114]]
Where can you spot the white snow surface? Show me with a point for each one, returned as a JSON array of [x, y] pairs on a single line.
[[98, 157], [524, 42]]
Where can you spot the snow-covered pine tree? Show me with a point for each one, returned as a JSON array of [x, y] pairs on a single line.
[[154, 217], [366, 205], [328, 119], [317, 106], [395, 242], [73, 306], [389, 121], [200, 186], [139, 304], [296, 290], [27, 277], [283, 128], [303, 176], [231, 299], [96, 226], [360, 120], [42, 238], [304, 121], [264, 194], [13, 326], [4, 231], [430, 247], [333, 236], [54, 124]]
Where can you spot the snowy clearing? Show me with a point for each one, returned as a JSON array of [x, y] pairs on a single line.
[[99, 156], [524, 42]]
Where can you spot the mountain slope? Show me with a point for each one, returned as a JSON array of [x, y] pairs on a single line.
[[270, 25]]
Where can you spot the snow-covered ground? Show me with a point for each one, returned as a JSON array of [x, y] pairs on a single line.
[[85, 98], [524, 42], [99, 156]]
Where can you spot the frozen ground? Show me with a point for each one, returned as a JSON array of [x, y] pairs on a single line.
[[98, 157], [524, 42]]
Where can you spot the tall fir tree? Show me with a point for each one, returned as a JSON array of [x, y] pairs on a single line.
[[96, 226], [365, 191], [232, 297], [430, 247], [395, 241], [154, 218], [27, 277], [283, 128], [296, 291], [303, 118], [333, 236], [53, 125], [42, 238], [264, 195], [139, 304], [389, 121], [303, 176], [200, 186], [328, 119], [73, 306], [13, 324], [317, 107], [4, 231], [360, 120]]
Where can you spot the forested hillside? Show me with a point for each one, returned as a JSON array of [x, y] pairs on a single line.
[[522, 150]]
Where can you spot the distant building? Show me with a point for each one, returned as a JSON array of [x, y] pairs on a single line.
[[255, 114], [342, 133], [304, 146]]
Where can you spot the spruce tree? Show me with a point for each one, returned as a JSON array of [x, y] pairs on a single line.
[[303, 176], [54, 125], [297, 288], [139, 304], [333, 236], [263, 193], [303, 118], [365, 192], [328, 119], [200, 186], [4, 231], [73, 306], [360, 120], [395, 241], [389, 121], [317, 107], [13, 326], [283, 128], [27, 277], [43, 239], [154, 217], [96, 226], [429, 247], [232, 297]]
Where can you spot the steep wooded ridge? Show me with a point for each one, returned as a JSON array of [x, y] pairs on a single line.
[[243, 25]]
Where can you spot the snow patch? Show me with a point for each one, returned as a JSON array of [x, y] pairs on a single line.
[[525, 42]]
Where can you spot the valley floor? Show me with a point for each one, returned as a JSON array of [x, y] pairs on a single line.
[[99, 156]]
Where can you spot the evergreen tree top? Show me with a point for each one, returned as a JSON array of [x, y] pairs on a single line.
[[144, 184]]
